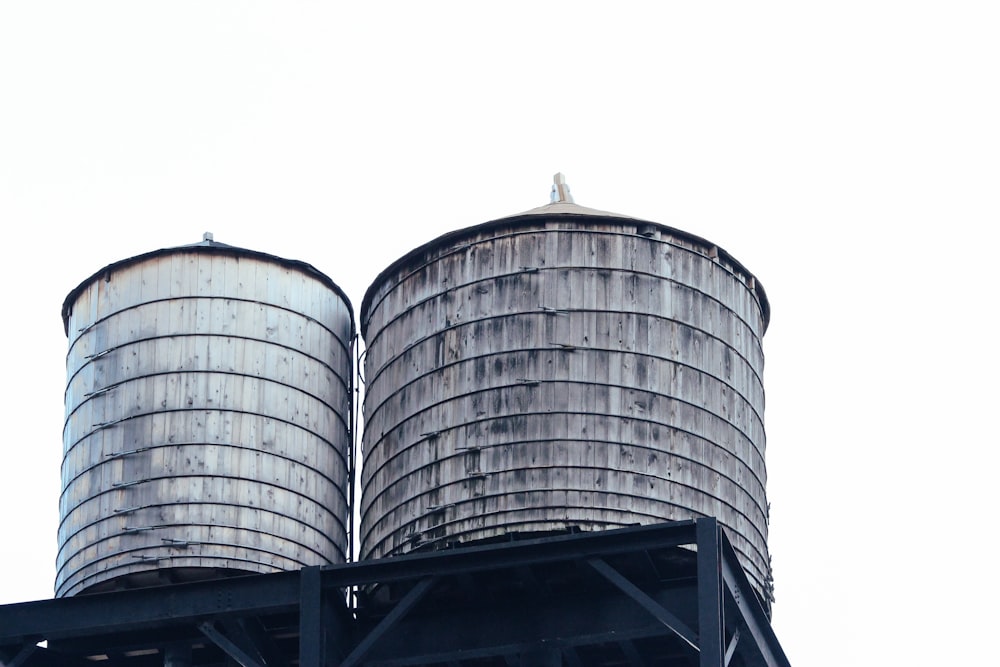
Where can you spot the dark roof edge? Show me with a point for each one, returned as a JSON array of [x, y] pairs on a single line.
[[541, 217], [204, 247]]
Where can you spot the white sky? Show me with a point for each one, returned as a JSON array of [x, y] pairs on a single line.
[[847, 153]]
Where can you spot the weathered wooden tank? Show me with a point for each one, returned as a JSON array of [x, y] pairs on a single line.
[[208, 412], [559, 370]]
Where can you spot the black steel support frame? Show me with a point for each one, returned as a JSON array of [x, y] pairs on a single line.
[[711, 620]]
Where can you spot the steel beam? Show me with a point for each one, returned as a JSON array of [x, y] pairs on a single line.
[[230, 647], [731, 649], [254, 634], [443, 634], [751, 613], [400, 610], [148, 608], [21, 656], [311, 621], [36, 656], [659, 612], [710, 619], [256, 595], [510, 555], [525, 599]]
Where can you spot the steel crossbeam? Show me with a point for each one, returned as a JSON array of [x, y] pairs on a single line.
[[630, 594]]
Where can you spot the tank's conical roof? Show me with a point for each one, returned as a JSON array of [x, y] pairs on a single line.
[[562, 207], [569, 208]]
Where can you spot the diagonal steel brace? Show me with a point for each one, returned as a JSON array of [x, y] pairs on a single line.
[[676, 625], [399, 611]]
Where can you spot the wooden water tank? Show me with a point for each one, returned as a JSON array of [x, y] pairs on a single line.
[[564, 369], [208, 406]]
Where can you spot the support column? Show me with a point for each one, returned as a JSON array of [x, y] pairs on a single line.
[[312, 644], [710, 619]]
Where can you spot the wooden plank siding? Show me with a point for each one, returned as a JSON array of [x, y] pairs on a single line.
[[208, 410], [554, 374]]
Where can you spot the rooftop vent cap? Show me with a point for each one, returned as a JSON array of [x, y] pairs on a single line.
[[560, 190]]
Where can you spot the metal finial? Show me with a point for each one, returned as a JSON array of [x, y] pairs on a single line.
[[560, 191]]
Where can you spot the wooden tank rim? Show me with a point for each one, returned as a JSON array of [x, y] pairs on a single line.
[[209, 247], [555, 212]]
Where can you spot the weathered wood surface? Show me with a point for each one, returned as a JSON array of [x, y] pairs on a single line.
[[551, 376], [207, 420]]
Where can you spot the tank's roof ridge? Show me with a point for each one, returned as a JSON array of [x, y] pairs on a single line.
[[570, 208], [562, 203], [208, 241]]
